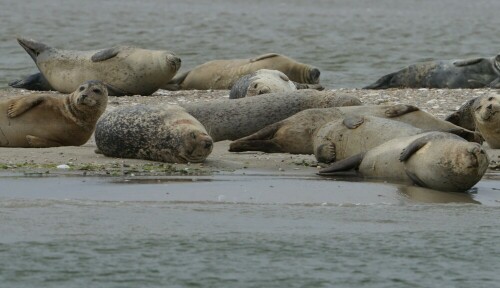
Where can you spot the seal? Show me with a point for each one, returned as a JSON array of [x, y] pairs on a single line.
[[435, 160], [266, 81], [52, 120], [34, 82], [351, 135], [487, 118], [452, 74], [126, 70], [295, 134], [230, 119], [222, 74], [166, 133], [464, 116]]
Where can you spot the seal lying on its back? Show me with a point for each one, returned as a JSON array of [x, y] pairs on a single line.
[[295, 134], [166, 133], [221, 74], [453, 74], [266, 81], [127, 70], [52, 120], [230, 119], [435, 160]]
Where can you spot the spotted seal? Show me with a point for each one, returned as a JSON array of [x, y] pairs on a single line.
[[230, 119], [453, 74], [222, 74], [52, 120], [163, 133], [295, 134], [436, 160], [126, 70]]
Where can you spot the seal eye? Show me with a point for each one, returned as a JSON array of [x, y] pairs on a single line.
[[490, 99], [479, 107], [193, 135], [97, 91], [81, 88]]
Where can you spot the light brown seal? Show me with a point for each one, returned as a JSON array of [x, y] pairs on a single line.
[[222, 74], [487, 118], [52, 120], [163, 133], [295, 134], [230, 119], [127, 70], [435, 160]]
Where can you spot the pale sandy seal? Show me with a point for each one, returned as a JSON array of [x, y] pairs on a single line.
[[295, 134], [453, 74], [222, 74], [463, 117], [486, 113], [266, 81], [127, 70], [230, 119], [52, 120], [351, 135], [436, 160], [164, 133]]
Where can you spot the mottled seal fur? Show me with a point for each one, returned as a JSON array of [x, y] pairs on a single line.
[[230, 119], [165, 133], [486, 113], [351, 135], [295, 134], [34, 82], [222, 74], [52, 120], [436, 160], [127, 70], [453, 74]]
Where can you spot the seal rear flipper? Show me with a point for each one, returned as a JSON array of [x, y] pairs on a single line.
[[37, 142], [268, 146], [347, 164], [105, 54], [21, 105], [175, 83], [264, 56], [300, 86], [383, 83], [495, 84], [34, 48], [467, 62], [414, 178], [399, 110], [36, 82], [115, 91]]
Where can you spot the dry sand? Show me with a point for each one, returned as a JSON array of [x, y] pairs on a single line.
[[83, 160]]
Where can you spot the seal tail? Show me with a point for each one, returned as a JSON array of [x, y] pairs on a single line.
[[175, 83], [383, 83], [33, 47]]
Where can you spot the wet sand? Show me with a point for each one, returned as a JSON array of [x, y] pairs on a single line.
[[83, 160]]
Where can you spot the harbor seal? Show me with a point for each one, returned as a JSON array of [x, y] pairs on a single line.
[[487, 118], [34, 82], [452, 74], [126, 70], [436, 160], [350, 135], [52, 120], [221, 74], [463, 117], [164, 133], [230, 119], [266, 81], [295, 134]]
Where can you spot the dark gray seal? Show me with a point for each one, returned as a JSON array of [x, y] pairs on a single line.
[[452, 74], [164, 133], [435, 160], [230, 119]]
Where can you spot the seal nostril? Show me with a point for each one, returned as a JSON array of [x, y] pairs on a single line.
[[490, 106], [208, 144]]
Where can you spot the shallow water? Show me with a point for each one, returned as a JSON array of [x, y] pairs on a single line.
[[353, 42]]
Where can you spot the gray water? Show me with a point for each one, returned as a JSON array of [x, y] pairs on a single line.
[[252, 231]]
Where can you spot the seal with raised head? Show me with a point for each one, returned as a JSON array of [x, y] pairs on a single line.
[[436, 160], [487, 118], [165, 133], [230, 119], [266, 81], [222, 74], [452, 74], [52, 120], [126, 70], [295, 134]]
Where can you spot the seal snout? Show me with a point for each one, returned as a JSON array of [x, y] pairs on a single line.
[[174, 61], [314, 76]]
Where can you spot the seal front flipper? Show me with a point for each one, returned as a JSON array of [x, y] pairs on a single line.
[[19, 106], [347, 164], [414, 146], [35, 82], [105, 54], [264, 56], [399, 110], [268, 146], [467, 62], [353, 122], [37, 142], [300, 86], [383, 83]]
